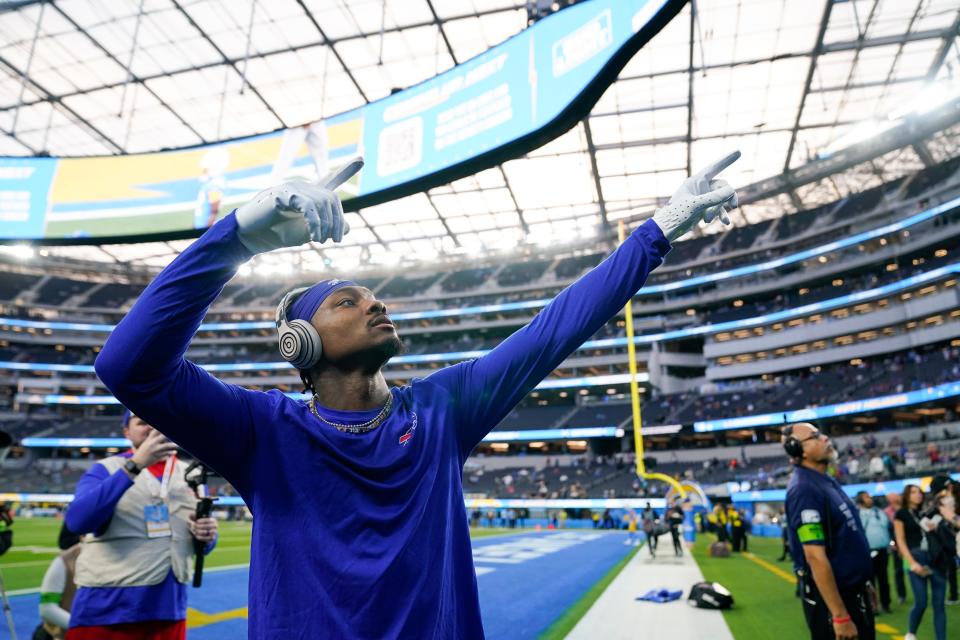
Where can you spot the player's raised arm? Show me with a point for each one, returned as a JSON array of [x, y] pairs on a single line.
[[486, 389], [142, 362]]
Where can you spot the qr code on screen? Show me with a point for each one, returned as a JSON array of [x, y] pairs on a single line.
[[400, 146]]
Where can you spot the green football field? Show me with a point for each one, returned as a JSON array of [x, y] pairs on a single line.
[[765, 606], [35, 545], [762, 587]]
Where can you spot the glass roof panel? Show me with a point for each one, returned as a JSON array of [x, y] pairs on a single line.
[[750, 60]]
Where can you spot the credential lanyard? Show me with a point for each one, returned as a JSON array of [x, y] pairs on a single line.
[[165, 478]]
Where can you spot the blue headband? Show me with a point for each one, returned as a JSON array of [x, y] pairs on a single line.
[[127, 414], [310, 300]]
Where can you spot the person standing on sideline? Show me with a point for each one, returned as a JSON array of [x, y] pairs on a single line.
[[917, 542], [877, 528], [827, 541], [138, 514], [736, 528], [650, 529], [719, 520], [894, 502], [675, 519], [942, 488]]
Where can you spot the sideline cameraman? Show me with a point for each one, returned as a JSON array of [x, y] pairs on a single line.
[[827, 542], [133, 570]]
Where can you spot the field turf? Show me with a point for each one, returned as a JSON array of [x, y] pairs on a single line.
[[35, 545], [765, 606], [762, 587]]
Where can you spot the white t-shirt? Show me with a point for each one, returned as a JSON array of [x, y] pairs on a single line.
[[54, 582]]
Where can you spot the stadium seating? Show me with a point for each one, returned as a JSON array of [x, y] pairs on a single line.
[[740, 238], [466, 279], [521, 272], [110, 295], [571, 267], [57, 290], [899, 371], [600, 415], [404, 287], [14, 284], [795, 224]]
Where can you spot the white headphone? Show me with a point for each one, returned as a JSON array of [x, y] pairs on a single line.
[[300, 343]]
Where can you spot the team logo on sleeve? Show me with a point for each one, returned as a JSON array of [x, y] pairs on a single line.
[[809, 516], [406, 437]]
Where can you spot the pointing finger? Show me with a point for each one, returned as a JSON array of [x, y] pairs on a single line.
[[336, 178], [710, 172]]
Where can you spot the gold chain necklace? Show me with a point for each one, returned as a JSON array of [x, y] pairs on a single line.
[[369, 425]]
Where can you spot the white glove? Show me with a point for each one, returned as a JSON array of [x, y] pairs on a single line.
[[294, 212], [700, 197]]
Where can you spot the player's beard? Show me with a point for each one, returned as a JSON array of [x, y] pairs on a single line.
[[380, 354], [393, 347]]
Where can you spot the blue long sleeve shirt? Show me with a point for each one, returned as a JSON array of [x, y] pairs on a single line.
[[95, 499], [355, 535]]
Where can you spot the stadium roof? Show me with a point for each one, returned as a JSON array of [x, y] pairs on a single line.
[[782, 81]]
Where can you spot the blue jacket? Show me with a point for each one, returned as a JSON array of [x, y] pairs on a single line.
[[820, 513], [355, 535]]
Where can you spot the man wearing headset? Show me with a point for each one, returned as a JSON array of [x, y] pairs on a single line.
[[829, 548], [366, 477]]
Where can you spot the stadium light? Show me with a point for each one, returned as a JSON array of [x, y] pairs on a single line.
[[926, 100], [19, 251], [859, 133]]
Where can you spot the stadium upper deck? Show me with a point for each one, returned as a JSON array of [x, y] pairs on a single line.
[[865, 280]]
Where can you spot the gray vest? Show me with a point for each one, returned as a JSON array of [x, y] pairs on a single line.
[[124, 556]]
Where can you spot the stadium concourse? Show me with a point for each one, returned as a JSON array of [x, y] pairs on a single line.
[[509, 147]]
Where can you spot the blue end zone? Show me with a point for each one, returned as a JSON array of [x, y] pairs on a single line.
[[526, 582], [521, 600]]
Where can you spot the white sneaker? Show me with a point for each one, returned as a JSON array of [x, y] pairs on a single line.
[[910, 636]]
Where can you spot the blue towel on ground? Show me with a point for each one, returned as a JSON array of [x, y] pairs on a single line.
[[660, 595]]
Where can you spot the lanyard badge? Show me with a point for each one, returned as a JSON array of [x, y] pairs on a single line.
[[157, 516]]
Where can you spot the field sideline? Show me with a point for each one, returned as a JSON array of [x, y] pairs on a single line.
[[35, 545], [765, 606], [762, 587]]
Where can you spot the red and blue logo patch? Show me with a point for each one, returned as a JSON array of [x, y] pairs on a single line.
[[406, 437]]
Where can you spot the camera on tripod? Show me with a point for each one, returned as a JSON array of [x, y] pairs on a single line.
[[196, 477]]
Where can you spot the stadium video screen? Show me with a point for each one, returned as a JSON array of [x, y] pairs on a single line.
[[495, 99]]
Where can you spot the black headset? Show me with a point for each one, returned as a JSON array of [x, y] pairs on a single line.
[[300, 343], [791, 445]]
